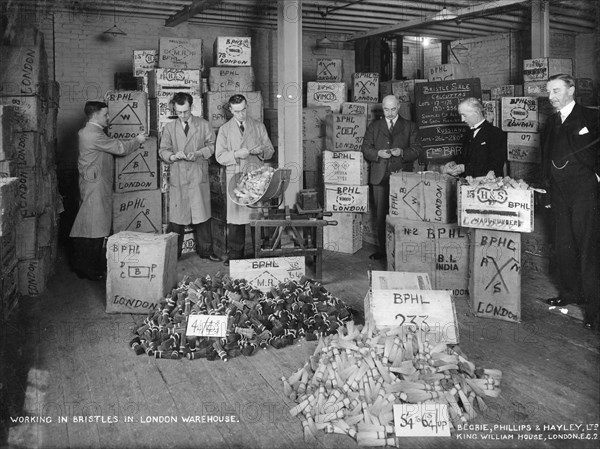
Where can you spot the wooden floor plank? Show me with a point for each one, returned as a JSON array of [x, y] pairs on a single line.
[[550, 365]]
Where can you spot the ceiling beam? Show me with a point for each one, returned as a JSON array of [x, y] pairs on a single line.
[[188, 12], [487, 8]]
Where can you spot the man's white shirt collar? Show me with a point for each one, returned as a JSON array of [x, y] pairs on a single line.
[[564, 112]]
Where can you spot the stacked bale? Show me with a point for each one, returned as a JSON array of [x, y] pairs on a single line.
[[29, 155]]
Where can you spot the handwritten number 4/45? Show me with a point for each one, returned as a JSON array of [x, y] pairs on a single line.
[[411, 321]]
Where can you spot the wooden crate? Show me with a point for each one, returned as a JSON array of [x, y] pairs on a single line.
[[312, 151], [346, 198], [34, 273], [231, 79], [535, 89], [232, 51], [329, 70], [405, 90], [540, 69], [491, 110], [502, 209], [524, 147], [173, 80], [141, 270], [445, 72], [326, 94], [345, 132], [28, 73], [506, 90], [144, 61], [427, 197], [365, 87], [139, 211], [347, 168], [179, 53], [442, 250], [138, 170], [520, 114], [495, 274], [128, 113], [346, 236], [313, 121]]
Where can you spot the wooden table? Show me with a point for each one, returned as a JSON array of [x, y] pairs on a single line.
[[306, 231]]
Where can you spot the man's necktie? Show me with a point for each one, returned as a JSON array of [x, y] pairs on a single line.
[[391, 125], [242, 128], [186, 128]]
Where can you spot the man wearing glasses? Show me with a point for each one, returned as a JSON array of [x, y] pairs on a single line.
[[242, 146], [389, 145], [187, 143]]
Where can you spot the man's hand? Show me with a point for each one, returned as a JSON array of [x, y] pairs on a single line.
[[257, 150], [242, 153], [397, 152], [140, 138], [384, 154], [193, 156]]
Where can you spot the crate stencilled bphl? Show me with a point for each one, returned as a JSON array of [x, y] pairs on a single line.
[[442, 250], [365, 87], [139, 211], [232, 51], [141, 270], [345, 132], [138, 170], [495, 274], [127, 111]]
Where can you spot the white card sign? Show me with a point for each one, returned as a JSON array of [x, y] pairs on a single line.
[[430, 311], [263, 274], [426, 419], [390, 280], [207, 326]]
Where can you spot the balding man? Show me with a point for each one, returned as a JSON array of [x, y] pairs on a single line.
[[484, 145], [390, 145]]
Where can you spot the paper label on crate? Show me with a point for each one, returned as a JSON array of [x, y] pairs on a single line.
[[425, 419], [346, 198], [206, 326], [429, 311], [392, 280], [263, 274], [495, 208]]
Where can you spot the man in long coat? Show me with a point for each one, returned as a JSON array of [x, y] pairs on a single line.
[[187, 143], [96, 176], [242, 145]]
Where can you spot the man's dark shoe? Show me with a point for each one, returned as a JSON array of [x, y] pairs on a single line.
[[559, 302], [213, 257], [377, 256]]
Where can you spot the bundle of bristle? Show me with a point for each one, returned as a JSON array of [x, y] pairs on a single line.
[[353, 379], [292, 310]]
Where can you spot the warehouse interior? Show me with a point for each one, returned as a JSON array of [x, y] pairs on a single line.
[[70, 373]]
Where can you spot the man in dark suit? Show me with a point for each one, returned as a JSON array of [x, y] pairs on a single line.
[[484, 146], [389, 145], [570, 168]]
